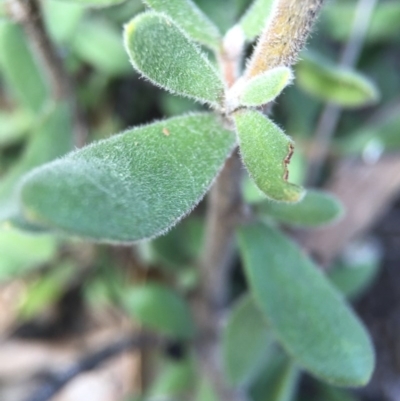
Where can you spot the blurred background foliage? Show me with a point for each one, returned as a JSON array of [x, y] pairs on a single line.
[[54, 288]]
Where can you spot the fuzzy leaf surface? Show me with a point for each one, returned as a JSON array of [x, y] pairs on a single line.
[[266, 151], [253, 21], [308, 316], [158, 308], [342, 86], [265, 87], [131, 186], [94, 3], [191, 19], [50, 138], [245, 341], [19, 69], [317, 208], [160, 51]]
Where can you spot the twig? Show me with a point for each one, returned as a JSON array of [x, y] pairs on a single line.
[[331, 113], [28, 14], [90, 362]]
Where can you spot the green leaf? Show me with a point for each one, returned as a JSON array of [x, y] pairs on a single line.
[[144, 180], [160, 51], [19, 69], [266, 151], [254, 20], [307, 314], [331, 83], [245, 341], [277, 381], [261, 89], [191, 19], [62, 19], [91, 38], [317, 208], [51, 138], [158, 308], [14, 126], [95, 3], [21, 252]]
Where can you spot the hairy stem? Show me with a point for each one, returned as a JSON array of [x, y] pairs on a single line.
[[284, 36], [28, 14]]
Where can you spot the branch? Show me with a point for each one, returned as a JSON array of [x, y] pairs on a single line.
[[90, 362], [28, 14]]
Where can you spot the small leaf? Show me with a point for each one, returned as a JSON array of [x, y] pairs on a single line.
[[14, 126], [278, 379], [306, 313], [91, 39], [158, 308], [51, 138], [254, 20], [62, 19], [317, 208], [191, 19], [160, 51], [131, 186], [19, 68], [331, 83], [263, 88], [245, 341], [21, 252], [266, 151]]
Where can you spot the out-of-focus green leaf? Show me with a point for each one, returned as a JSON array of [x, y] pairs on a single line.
[[339, 85], [20, 252], [51, 137], [99, 44], [94, 3], [329, 393], [62, 19], [278, 379], [307, 315], [158, 308], [132, 186], [261, 89], [253, 21], [371, 138], [191, 19], [317, 208], [160, 51], [205, 391], [337, 19], [266, 151], [357, 269], [180, 246], [14, 126], [245, 341], [175, 380], [45, 290], [19, 69]]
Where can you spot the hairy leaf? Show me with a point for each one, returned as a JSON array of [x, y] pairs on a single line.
[[266, 151], [317, 208], [19, 69], [51, 138], [254, 20], [160, 51], [157, 307], [263, 88], [277, 380], [95, 3], [245, 341], [191, 19], [131, 186], [335, 84], [99, 44], [306, 313]]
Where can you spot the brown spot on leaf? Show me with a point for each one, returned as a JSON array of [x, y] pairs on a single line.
[[286, 161], [165, 132]]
